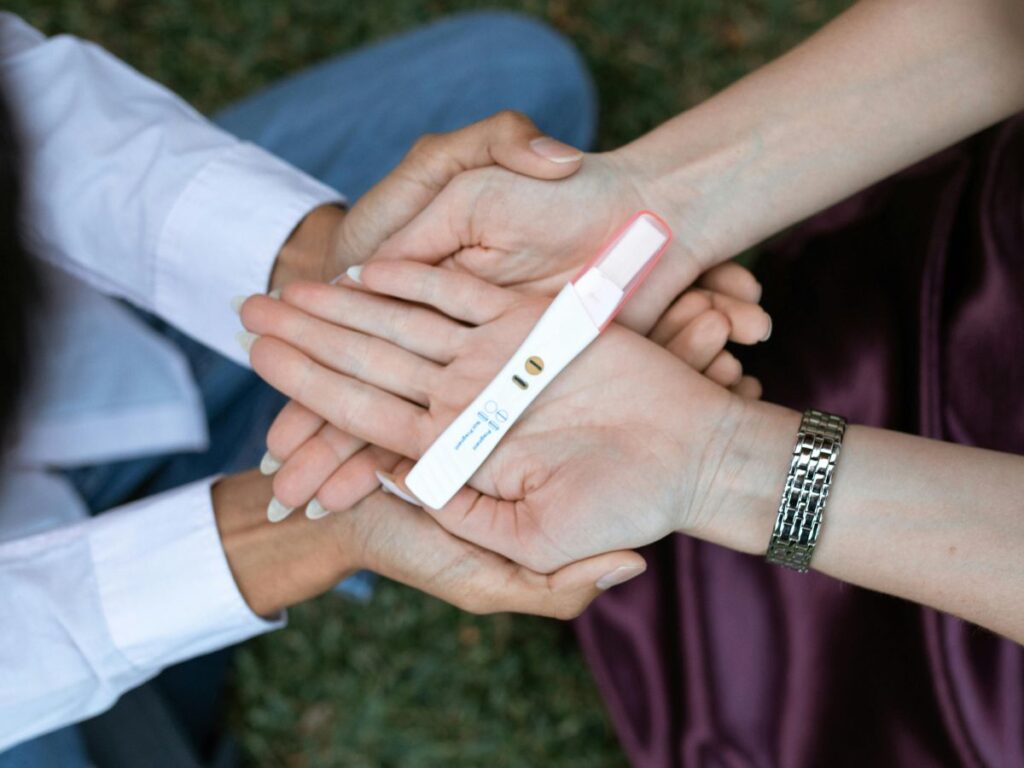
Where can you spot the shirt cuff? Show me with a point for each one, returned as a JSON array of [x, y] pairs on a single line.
[[164, 581], [222, 237]]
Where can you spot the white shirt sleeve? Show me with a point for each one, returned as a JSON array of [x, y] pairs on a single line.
[[92, 609], [131, 190]]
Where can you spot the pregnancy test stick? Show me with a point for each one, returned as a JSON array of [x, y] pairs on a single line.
[[582, 309]]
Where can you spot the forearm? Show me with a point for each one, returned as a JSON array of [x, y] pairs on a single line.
[[936, 523], [887, 83]]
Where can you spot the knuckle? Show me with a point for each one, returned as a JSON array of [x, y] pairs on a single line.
[[425, 144], [395, 322], [714, 324], [353, 353], [297, 328], [426, 378], [349, 415], [510, 119], [690, 303]]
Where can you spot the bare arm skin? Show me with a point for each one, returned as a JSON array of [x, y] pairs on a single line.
[[886, 84], [933, 522]]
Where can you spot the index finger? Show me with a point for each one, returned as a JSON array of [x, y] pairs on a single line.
[[456, 294]]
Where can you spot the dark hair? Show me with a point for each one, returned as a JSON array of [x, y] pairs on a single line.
[[20, 288]]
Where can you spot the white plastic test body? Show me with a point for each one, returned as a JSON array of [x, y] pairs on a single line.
[[582, 309]]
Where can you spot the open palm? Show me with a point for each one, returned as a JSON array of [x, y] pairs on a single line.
[[608, 457]]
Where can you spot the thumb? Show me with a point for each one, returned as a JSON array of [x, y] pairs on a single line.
[[516, 144], [509, 139], [572, 588], [499, 584]]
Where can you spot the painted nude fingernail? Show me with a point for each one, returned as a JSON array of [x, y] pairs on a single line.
[[276, 511], [387, 482], [315, 510], [237, 302], [246, 339], [268, 464], [768, 334], [555, 151], [355, 273], [620, 575], [275, 294]]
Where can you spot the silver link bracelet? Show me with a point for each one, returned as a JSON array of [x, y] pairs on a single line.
[[807, 485]]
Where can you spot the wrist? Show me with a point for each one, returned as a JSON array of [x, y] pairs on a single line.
[[703, 180], [740, 504], [274, 565], [631, 190], [308, 252]]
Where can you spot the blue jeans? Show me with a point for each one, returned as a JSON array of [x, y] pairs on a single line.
[[347, 121]]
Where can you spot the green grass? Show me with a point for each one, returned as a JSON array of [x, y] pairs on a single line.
[[651, 58], [408, 681]]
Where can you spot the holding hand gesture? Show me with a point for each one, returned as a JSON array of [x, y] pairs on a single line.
[[591, 467]]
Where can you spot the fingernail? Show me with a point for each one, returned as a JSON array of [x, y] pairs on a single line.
[[237, 302], [275, 294], [620, 575], [315, 510], [387, 482], [768, 335], [268, 464], [246, 339], [555, 151], [354, 273], [276, 511]]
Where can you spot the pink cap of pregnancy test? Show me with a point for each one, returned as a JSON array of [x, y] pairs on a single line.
[[607, 281]]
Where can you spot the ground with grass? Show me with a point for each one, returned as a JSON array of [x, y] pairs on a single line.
[[407, 681]]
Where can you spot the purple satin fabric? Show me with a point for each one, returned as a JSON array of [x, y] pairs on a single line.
[[902, 307]]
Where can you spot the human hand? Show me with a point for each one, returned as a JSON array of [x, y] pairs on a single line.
[[329, 239], [534, 236], [287, 564], [692, 328], [609, 456], [318, 466], [432, 209]]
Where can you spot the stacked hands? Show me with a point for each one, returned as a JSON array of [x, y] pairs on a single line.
[[464, 245]]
